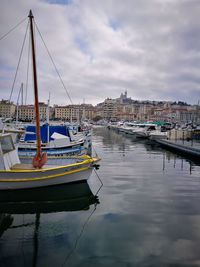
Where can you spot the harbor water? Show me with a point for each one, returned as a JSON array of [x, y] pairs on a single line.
[[141, 208]]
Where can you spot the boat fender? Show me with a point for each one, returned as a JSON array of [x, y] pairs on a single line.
[[96, 166], [38, 162]]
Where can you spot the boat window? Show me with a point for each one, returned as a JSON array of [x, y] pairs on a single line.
[[6, 144], [152, 127]]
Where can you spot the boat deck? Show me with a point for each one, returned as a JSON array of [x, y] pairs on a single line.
[[24, 166]]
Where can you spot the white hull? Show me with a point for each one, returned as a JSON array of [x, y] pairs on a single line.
[[36, 183], [155, 135], [76, 150], [82, 147], [22, 176]]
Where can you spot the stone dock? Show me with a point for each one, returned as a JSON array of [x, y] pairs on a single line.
[[191, 148]]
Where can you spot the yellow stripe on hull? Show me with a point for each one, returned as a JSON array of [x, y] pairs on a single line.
[[87, 161], [44, 177]]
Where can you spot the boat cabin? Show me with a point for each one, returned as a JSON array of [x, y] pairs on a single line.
[[8, 153]]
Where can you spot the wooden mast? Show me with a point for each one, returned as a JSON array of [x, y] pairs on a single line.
[[39, 159]]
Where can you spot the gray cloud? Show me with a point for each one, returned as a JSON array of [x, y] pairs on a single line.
[[150, 48]]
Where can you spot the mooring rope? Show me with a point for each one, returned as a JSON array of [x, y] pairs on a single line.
[[56, 69]]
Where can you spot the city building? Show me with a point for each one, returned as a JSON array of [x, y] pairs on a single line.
[[122, 108], [27, 112], [110, 109], [75, 112], [7, 109]]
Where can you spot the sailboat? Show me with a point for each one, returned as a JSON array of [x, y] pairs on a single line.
[[57, 140], [15, 175]]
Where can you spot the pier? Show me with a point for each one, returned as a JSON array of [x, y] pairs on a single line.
[[191, 148]]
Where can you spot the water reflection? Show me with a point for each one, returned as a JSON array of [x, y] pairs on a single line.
[[67, 197], [150, 212], [125, 143], [37, 202]]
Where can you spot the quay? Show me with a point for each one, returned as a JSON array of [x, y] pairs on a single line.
[[191, 148]]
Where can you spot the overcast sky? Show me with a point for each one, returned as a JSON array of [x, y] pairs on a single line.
[[151, 48]]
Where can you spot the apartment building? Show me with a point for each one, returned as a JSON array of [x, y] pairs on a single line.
[[110, 109], [75, 112], [176, 113], [88, 111], [127, 112], [7, 109], [27, 112], [145, 111]]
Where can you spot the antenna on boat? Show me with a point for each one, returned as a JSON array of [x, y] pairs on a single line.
[[39, 159]]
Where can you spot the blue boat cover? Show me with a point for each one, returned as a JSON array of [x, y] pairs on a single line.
[[31, 132]]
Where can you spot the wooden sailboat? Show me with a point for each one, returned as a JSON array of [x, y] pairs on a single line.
[[14, 175]]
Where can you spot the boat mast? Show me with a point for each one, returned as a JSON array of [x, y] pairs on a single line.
[[38, 155], [47, 118], [17, 112]]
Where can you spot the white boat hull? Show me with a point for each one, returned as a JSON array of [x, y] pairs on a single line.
[[36, 183], [157, 135], [74, 148], [25, 176]]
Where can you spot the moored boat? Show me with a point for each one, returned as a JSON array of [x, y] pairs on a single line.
[[157, 134], [56, 140], [143, 130], [15, 175]]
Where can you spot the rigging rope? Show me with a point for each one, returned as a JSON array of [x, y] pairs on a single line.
[[2, 37], [53, 63], [23, 239], [56, 69], [100, 182], [18, 62]]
